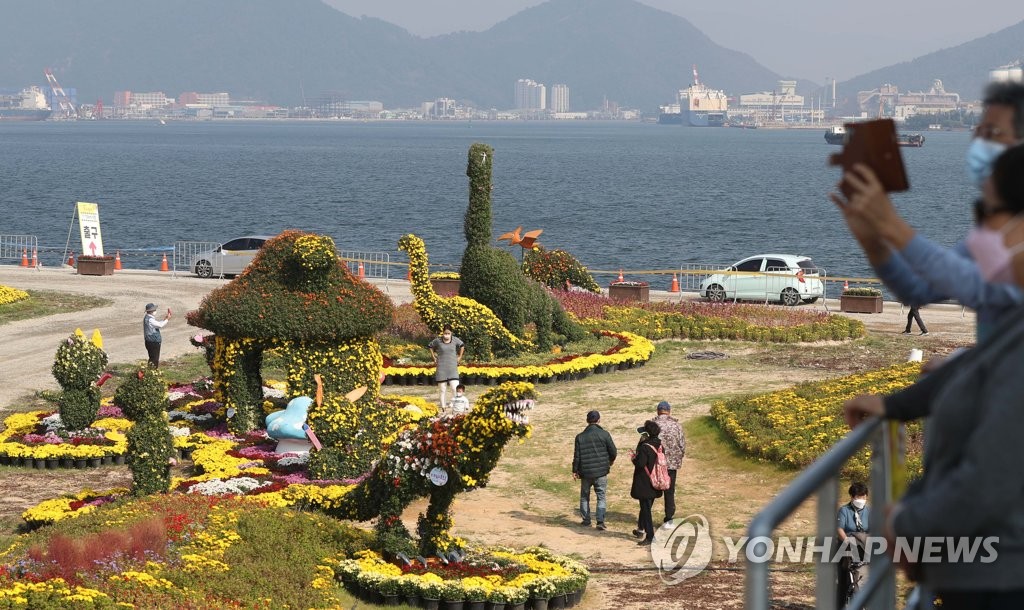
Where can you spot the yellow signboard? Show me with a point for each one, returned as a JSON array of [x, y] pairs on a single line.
[[89, 221]]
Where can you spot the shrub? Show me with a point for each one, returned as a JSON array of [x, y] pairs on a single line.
[[556, 267], [143, 399], [862, 292], [76, 367]]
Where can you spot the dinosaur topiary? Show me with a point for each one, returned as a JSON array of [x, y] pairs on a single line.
[[77, 368], [493, 277], [477, 326], [438, 458], [143, 399]]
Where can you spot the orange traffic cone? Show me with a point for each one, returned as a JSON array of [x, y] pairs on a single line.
[[362, 273], [846, 284], [117, 261], [24, 257], [71, 259], [620, 275], [408, 275], [35, 258], [675, 283], [163, 264]]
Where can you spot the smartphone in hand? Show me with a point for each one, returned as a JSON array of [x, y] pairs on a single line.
[[874, 144]]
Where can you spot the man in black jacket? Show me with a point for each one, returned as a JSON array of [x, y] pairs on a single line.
[[592, 459]]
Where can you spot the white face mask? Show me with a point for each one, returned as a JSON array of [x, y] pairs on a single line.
[[859, 503]]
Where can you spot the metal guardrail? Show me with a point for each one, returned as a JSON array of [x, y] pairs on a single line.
[[14, 247], [822, 478], [187, 252], [374, 264]]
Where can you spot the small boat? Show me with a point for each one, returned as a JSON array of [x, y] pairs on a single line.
[[910, 139], [835, 134]]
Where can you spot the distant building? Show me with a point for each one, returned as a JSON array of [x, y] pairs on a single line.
[[888, 101], [530, 95], [1010, 73], [212, 100], [443, 108], [559, 98]]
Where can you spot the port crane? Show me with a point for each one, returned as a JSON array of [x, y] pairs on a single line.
[[67, 108]]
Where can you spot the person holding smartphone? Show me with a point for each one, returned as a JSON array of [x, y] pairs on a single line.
[[151, 333]]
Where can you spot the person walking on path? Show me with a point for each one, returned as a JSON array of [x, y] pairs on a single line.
[[915, 315], [645, 457], [447, 351], [151, 333], [673, 443], [592, 457]]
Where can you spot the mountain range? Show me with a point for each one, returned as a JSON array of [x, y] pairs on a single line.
[[291, 51]]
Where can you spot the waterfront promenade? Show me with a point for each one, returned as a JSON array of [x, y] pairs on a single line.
[[28, 346]]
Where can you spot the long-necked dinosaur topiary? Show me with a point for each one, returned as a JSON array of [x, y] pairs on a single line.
[[438, 458]]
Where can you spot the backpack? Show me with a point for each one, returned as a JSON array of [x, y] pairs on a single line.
[[659, 476]]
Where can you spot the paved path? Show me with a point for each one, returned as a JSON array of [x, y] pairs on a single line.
[[27, 347]]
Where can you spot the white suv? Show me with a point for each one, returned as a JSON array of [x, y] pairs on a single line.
[[785, 278]]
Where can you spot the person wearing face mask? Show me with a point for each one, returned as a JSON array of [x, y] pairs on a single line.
[[853, 528], [972, 488], [447, 351], [916, 269]]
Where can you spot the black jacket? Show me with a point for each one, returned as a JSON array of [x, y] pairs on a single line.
[[593, 453], [646, 458]]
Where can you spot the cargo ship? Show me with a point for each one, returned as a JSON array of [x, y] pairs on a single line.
[[915, 140], [670, 115], [836, 135], [701, 106], [29, 104]]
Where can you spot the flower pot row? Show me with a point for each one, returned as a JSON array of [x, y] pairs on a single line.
[[489, 380], [53, 463], [557, 602]]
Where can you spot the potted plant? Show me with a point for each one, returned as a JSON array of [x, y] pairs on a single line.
[[95, 265], [445, 283], [541, 591], [430, 593], [629, 291], [391, 589], [452, 595], [515, 597], [861, 300], [476, 596]]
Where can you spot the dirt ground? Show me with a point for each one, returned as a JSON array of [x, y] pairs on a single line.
[[531, 497]]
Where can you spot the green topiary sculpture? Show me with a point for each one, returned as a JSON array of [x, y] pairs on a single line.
[[493, 277], [77, 367], [143, 398]]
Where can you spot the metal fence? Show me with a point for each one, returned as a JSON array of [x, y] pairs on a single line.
[[19, 248], [200, 257], [374, 264]]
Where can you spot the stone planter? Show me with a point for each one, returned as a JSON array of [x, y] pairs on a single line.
[[88, 265], [860, 304], [639, 292], [445, 288]]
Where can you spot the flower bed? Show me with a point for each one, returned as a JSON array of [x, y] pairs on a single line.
[[11, 295], [632, 350], [795, 426], [698, 320], [500, 576]]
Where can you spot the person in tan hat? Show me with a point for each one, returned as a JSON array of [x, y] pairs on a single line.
[[673, 443], [151, 333]]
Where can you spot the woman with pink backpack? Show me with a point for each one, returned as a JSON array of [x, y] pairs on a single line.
[[649, 467]]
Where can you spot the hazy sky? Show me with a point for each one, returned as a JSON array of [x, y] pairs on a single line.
[[803, 38]]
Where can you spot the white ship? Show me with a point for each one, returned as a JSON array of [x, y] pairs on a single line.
[[29, 104], [701, 106]]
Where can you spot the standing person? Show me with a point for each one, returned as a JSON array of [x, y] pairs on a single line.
[[915, 315], [644, 458], [853, 523], [592, 457], [447, 351], [970, 490], [673, 443], [151, 333], [460, 404]]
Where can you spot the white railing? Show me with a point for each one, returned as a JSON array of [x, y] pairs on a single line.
[[374, 264], [196, 257], [19, 247]]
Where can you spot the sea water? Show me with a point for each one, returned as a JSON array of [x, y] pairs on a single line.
[[617, 195]]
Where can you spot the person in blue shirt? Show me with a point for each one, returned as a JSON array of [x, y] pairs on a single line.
[[916, 269], [853, 523]]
